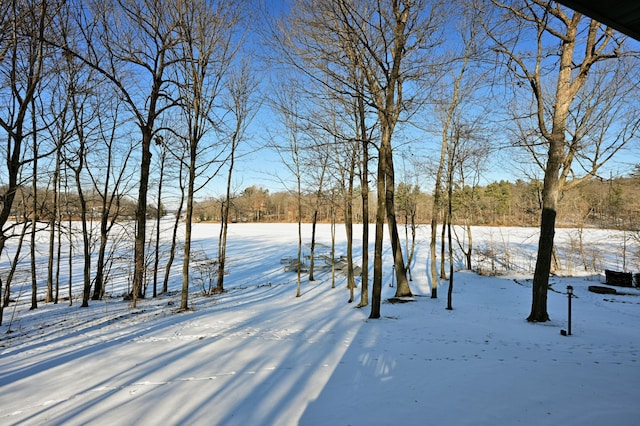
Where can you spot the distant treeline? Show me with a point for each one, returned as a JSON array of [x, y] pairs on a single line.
[[613, 203]]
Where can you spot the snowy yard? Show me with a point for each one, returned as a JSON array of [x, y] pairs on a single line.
[[257, 355]]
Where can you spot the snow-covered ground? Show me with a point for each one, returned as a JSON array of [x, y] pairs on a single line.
[[257, 355]]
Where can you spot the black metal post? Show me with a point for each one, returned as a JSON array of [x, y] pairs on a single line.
[[570, 296], [393, 276]]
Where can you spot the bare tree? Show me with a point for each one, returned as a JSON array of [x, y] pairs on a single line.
[[472, 149], [464, 144], [180, 155], [407, 202], [23, 59], [364, 134], [60, 132], [208, 46], [564, 54], [286, 102], [386, 43], [451, 158], [242, 106], [392, 36], [455, 89], [159, 207], [347, 155], [316, 163], [111, 177], [76, 162], [131, 43], [35, 211]]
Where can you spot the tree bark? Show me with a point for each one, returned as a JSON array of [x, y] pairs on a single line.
[[364, 183], [312, 252], [376, 294], [402, 288], [156, 258], [184, 301], [176, 224], [52, 228]]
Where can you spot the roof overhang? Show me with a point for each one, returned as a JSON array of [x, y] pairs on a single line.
[[622, 15]]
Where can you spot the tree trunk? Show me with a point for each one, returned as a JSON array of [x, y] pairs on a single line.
[[141, 214], [312, 254], [435, 213], [4, 297], [222, 241], [550, 192], [176, 224], [34, 222], [348, 223], [443, 249], [70, 238], [299, 205], [543, 267], [376, 294], [184, 303], [361, 131], [364, 183], [86, 252], [450, 291], [333, 246], [98, 288], [449, 219], [86, 244], [52, 229], [156, 259], [23, 84], [402, 288], [58, 261], [432, 252], [469, 248]]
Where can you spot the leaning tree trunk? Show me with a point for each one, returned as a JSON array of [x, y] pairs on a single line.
[[550, 192], [312, 254], [402, 288], [4, 296], [469, 247], [98, 289], [174, 236], [222, 241]]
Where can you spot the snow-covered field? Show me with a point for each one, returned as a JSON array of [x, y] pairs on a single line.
[[257, 355]]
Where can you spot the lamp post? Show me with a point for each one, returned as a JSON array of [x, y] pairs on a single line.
[[393, 276], [569, 296]]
